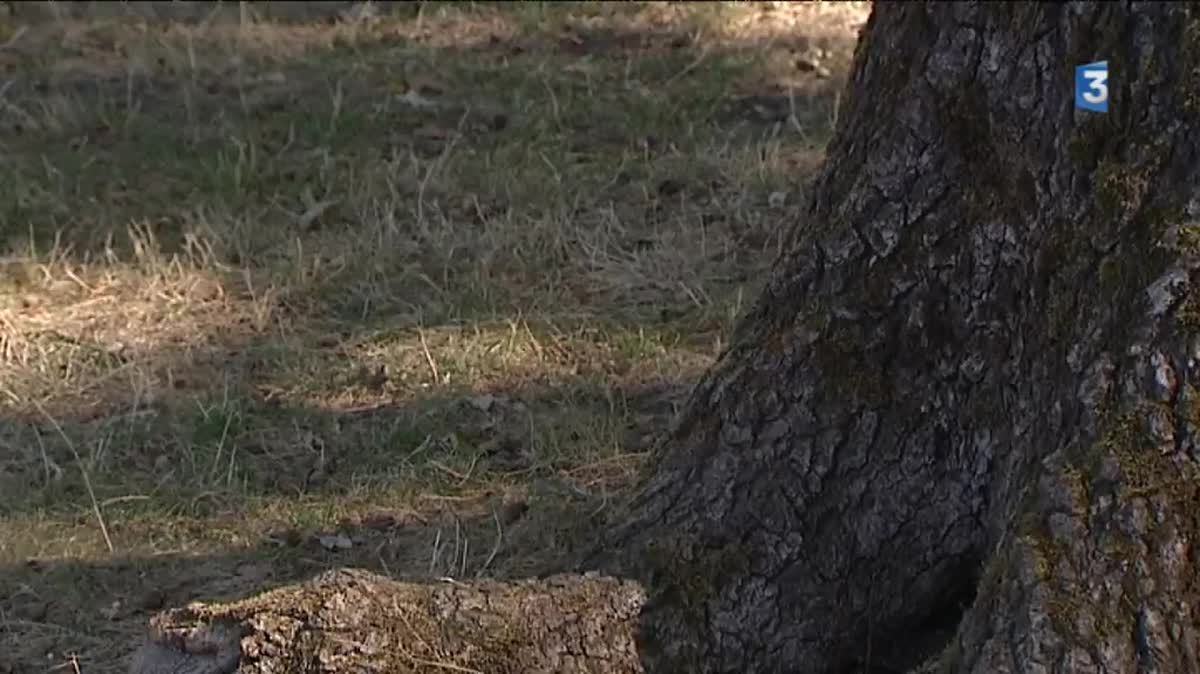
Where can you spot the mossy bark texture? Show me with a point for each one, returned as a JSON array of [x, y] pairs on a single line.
[[960, 429]]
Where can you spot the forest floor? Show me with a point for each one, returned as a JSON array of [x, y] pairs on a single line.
[[414, 292]]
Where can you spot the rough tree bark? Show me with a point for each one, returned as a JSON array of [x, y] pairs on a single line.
[[967, 397]]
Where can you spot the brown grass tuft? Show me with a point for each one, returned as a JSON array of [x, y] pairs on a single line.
[[415, 292]]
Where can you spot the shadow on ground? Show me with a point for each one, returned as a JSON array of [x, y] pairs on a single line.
[[461, 511], [218, 493]]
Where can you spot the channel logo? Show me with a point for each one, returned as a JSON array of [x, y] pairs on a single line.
[[1091, 86]]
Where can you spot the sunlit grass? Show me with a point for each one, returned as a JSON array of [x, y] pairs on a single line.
[[416, 293]]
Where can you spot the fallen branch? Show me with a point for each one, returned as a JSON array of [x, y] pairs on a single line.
[[354, 621]]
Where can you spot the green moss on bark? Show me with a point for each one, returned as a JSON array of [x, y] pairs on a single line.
[[688, 579]]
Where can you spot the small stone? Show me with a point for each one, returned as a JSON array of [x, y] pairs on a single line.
[[335, 542]]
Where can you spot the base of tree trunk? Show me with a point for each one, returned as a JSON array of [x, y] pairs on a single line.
[[354, 621]]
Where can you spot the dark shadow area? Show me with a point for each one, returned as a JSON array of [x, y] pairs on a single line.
[[474, 502], [509, 480]]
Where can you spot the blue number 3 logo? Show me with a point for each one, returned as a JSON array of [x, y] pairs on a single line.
[[1091, 86]]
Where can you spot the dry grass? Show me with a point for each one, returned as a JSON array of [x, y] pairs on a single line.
[[414, 293]]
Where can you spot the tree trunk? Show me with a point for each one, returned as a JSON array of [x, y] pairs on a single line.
[[966, 402]]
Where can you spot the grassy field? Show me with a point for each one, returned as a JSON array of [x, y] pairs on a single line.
[[414, 292]]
